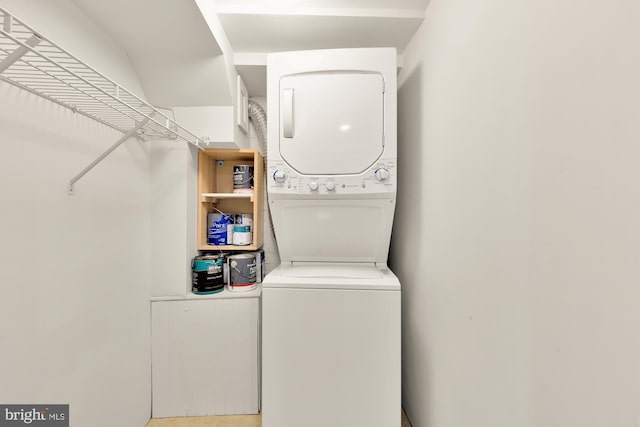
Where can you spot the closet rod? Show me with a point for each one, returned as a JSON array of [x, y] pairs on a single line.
[[32, 62]]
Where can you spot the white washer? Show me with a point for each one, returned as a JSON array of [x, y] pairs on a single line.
[[331, 310]]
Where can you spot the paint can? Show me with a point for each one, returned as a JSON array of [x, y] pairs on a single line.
[[243, 219], [219, 229], [242, 179], [242, 235], [242, 272], [260, 270], [207, 274]]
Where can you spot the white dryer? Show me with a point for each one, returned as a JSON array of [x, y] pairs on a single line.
[[331, 310]]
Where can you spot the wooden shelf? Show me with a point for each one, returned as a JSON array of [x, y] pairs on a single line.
[[213, 197], [224, 248]]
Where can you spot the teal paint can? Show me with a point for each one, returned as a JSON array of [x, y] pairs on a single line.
[[207, 274], [242, 235]]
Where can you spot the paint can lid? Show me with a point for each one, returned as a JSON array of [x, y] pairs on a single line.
[[210, 256], [242, 256]]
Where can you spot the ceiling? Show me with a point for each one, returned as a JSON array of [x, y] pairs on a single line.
[[177, 56]]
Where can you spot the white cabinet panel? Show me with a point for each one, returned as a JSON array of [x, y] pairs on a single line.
[[205, 357], [334, 354], [215, 124]]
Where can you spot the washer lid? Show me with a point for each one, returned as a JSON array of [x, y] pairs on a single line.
[[332, 270], [338, 276], [331, 123]]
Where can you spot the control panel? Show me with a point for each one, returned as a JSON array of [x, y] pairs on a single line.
[[380, 178]]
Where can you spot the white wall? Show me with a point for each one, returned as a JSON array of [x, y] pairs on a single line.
[[174, 183], [209, 12], [517, 229], [74, 311]]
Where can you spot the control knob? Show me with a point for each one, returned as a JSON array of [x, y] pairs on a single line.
[[279, 176], [381, 174], [330, 186], [313, 186]]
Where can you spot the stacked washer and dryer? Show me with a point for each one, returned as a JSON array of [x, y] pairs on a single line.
[[331, 310]]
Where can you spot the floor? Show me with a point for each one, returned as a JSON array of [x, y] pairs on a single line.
[[222, 421]]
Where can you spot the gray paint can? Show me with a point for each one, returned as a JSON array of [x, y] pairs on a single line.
[[242, 272], [242, 178]]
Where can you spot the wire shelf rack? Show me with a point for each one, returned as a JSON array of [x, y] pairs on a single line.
[[36, 64]]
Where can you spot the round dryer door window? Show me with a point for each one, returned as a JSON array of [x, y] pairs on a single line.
[[331, 123]]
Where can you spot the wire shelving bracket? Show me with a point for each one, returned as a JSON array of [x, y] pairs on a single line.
[[34, 63]]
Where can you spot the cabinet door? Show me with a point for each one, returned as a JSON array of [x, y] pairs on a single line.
[[331, 123], [205, 357]]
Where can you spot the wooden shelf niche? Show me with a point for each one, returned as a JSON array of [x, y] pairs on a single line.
[[215, 191]]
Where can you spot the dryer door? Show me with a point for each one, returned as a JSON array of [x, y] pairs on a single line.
[[331, 123]]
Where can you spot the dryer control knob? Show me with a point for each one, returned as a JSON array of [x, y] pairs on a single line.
[[279, 176], [313, 186], [330, 186], [381, 174]]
